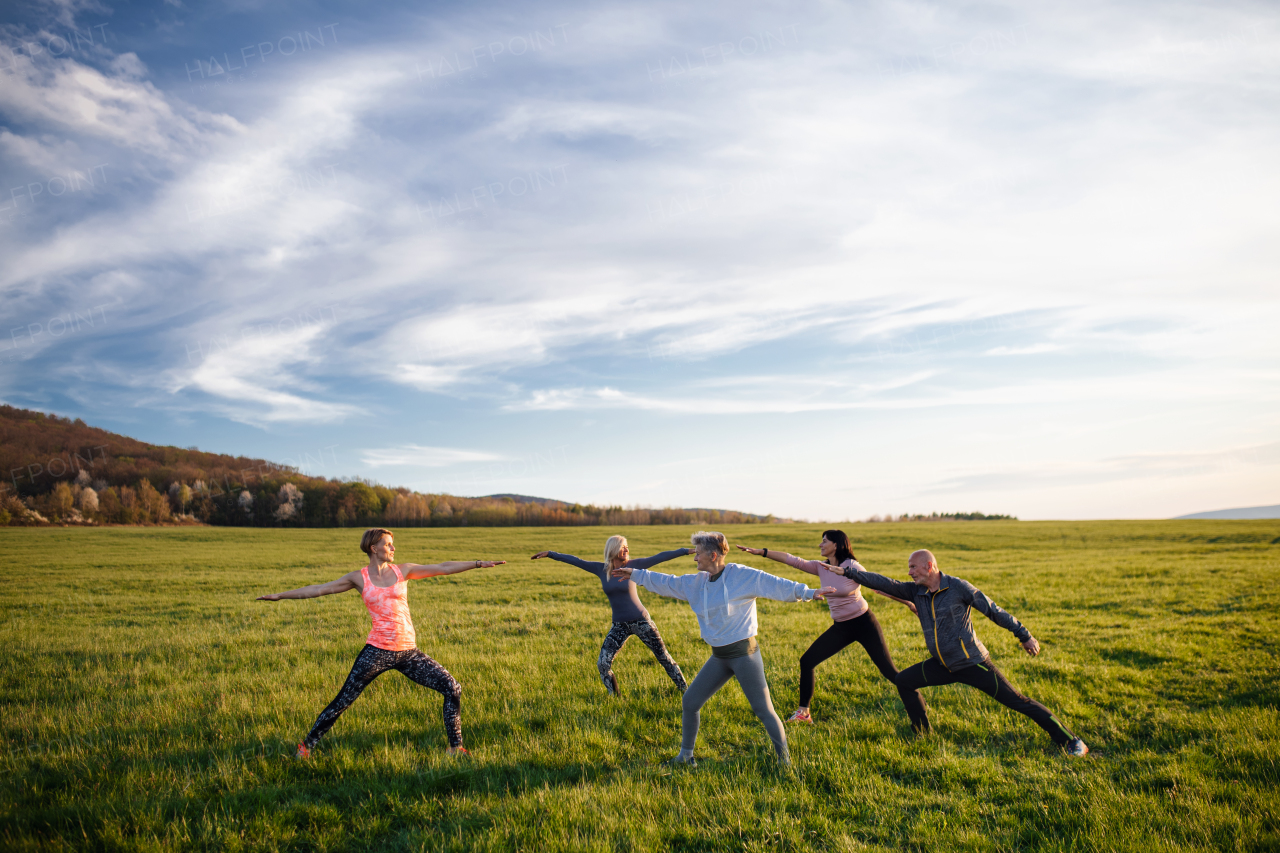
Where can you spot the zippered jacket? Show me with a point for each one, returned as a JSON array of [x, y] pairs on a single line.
[[944, 615], [725, 607]]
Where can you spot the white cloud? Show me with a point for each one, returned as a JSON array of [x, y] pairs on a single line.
[[258, 379], [1033, 349], [419, 456], [119, 107]]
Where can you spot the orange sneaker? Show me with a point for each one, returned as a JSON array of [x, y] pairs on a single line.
[[303, 753], [800, 716], [459, 751]]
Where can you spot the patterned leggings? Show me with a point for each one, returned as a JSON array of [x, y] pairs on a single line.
[[648, 634], [374, 661]]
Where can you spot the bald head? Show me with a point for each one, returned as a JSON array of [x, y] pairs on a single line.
[[923, 568], [923, 554]]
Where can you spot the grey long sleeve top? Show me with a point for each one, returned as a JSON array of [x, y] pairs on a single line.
[[621, 593], [944, 615]]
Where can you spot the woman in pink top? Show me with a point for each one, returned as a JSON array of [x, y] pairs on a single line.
[[853, 620], [391, 643]]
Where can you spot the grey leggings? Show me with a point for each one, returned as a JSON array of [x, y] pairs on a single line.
[[715, 673]]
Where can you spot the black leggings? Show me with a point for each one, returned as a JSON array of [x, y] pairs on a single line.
[[863, 629], [986, 678], [416, 666]]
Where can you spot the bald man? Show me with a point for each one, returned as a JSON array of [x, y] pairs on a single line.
[[943, 603]]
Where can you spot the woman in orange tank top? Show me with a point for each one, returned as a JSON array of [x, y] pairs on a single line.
[[391, 643]]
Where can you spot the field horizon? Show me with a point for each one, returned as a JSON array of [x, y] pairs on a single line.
[[151, 703]]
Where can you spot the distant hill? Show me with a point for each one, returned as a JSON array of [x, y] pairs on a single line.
[[63, 470], [552, 502], [524, 499], [1245, 512]]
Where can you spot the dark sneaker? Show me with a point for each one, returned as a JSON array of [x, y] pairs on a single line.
[[611, 684], [1076, 748], [682, 762], [458, 752]]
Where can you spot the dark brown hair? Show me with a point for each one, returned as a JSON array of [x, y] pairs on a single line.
[[844, 551], [371, 537]]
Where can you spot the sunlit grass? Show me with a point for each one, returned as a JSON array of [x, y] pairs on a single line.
[[150, 703]]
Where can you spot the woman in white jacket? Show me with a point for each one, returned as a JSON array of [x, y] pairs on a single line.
[[723, 597]]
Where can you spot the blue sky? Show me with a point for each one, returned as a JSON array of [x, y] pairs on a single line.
[[820, 260]]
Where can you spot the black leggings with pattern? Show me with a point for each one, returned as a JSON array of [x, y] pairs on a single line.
[[648, 634], [416, 666]]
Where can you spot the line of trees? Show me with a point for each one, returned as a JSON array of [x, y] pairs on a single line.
[[63, 471], [943, 516], [289, 500]]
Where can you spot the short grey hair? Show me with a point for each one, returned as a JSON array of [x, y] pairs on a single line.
[[709, 542]]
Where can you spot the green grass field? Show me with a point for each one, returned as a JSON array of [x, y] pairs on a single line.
[[148, 703]]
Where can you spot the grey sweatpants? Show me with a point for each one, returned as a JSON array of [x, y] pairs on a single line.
[[715, 673]]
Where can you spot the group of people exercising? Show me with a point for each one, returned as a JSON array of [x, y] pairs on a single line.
[[723, 597]]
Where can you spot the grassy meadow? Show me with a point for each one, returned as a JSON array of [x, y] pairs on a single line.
[[147, 702]]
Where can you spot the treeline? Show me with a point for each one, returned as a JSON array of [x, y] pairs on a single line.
[[941, 516], [63, 471]]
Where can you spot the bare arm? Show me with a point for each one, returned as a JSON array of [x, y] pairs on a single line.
[[910, 605], [316, 590], [418, 571]]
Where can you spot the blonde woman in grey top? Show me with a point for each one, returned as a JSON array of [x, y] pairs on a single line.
[[723, 597]]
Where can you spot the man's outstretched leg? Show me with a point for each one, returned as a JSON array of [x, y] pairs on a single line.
[[990, 680]]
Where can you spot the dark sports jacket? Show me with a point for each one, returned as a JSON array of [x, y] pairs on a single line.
[[944, 615]]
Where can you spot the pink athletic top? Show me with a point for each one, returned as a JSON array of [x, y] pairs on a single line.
[[848, 602], [389, 607]]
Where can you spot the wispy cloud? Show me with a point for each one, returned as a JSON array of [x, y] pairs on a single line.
[[419, 456]]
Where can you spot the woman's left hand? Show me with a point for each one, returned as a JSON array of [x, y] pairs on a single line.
[[622, 572], [822, 594]]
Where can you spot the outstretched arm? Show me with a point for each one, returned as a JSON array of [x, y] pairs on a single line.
[[316, 590], [910, 605], [810, 566], [880, 583], [417, 571], [765, 585], [586, 565], [672, 586], [649, 562], [1003, 618]]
